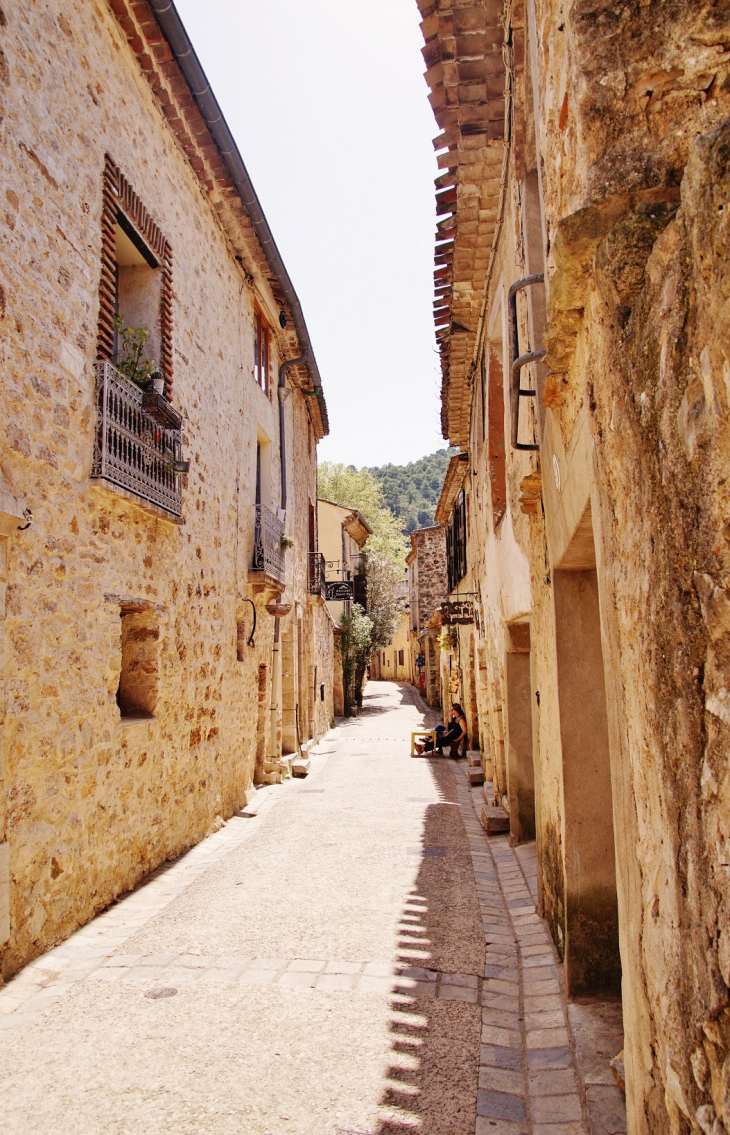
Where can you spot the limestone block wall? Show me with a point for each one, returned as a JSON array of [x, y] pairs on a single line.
[[94, 800]]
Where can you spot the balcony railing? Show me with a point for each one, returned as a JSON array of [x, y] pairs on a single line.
[[131, 448], [317, 574], [268, 554]]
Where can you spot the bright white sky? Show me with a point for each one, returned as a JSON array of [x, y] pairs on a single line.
[[328, 104]]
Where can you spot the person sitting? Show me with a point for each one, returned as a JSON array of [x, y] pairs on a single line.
[[453, 734]]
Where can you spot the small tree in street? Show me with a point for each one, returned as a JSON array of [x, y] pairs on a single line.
[[384, 555], [384, 574], [355, 644]]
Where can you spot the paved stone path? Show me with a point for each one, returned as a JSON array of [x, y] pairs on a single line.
[[349, 956]]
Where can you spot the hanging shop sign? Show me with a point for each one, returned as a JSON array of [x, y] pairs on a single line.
[[340, 590], [459, 613]]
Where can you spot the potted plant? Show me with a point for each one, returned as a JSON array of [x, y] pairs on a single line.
[[130, 361]]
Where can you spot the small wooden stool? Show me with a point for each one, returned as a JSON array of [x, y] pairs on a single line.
[[421, 733]]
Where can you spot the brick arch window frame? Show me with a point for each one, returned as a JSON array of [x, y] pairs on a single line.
[[120, 204]]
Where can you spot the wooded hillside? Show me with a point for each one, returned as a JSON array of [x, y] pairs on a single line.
[[412, 491]]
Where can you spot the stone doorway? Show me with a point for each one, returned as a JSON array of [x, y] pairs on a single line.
[[520, 763], [592, 961]]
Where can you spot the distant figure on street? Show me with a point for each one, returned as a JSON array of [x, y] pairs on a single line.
[[453, 734]]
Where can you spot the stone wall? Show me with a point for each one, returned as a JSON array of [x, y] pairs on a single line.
[[638, 226], [431, 588], [96, 800], [610, 560]]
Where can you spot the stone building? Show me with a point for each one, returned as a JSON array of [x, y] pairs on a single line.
[[427, 590], [582, 318], [343, 533], [393, 663], [338, 567], [154, 542]]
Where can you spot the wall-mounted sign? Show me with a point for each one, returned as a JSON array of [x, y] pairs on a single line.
[[339, 590], [460, 613]]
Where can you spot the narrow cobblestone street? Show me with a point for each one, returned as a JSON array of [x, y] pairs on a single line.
[[350, 955]]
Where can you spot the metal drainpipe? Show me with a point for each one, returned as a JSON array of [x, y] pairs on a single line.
[[283, 395]]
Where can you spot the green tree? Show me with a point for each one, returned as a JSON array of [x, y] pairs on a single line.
[[358, 488], [355, 644], [384, 559], [411, 492]]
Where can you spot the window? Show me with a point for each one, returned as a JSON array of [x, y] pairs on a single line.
[[495, 425], [401, 660], [263, 469], [137, 692], [136, 276], [456, 543], [262, 341]]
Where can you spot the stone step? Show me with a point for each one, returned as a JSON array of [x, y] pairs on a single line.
[[494, 820], [475, 775], [268, 777], [488, 791], [300, 766], [280, 768], [474, 758]]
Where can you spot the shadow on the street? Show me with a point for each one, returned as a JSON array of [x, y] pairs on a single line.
[[432, 1079]]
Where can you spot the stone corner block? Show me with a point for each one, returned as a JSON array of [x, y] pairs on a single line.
[[494, 820]]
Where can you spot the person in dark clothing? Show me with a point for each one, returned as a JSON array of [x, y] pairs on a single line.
[[453, 734]]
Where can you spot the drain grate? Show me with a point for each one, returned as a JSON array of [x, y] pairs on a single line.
[[161, 991]]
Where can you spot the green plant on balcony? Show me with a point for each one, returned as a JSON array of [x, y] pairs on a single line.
[[130, 360], [449, 639]]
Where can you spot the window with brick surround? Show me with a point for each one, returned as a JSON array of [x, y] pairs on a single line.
[[136, 275], [261, 351]]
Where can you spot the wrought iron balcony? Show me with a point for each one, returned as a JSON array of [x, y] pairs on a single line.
[[132, 449], [268, 554], [317, 574]]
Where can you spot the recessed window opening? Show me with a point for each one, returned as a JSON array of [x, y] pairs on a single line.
[[135, 288], [263, 469], [138, 677], [497, 422], [261, 351], [138, 291], [241, 638]]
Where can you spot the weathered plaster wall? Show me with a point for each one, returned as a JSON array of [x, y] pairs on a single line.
[[635, 144]]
